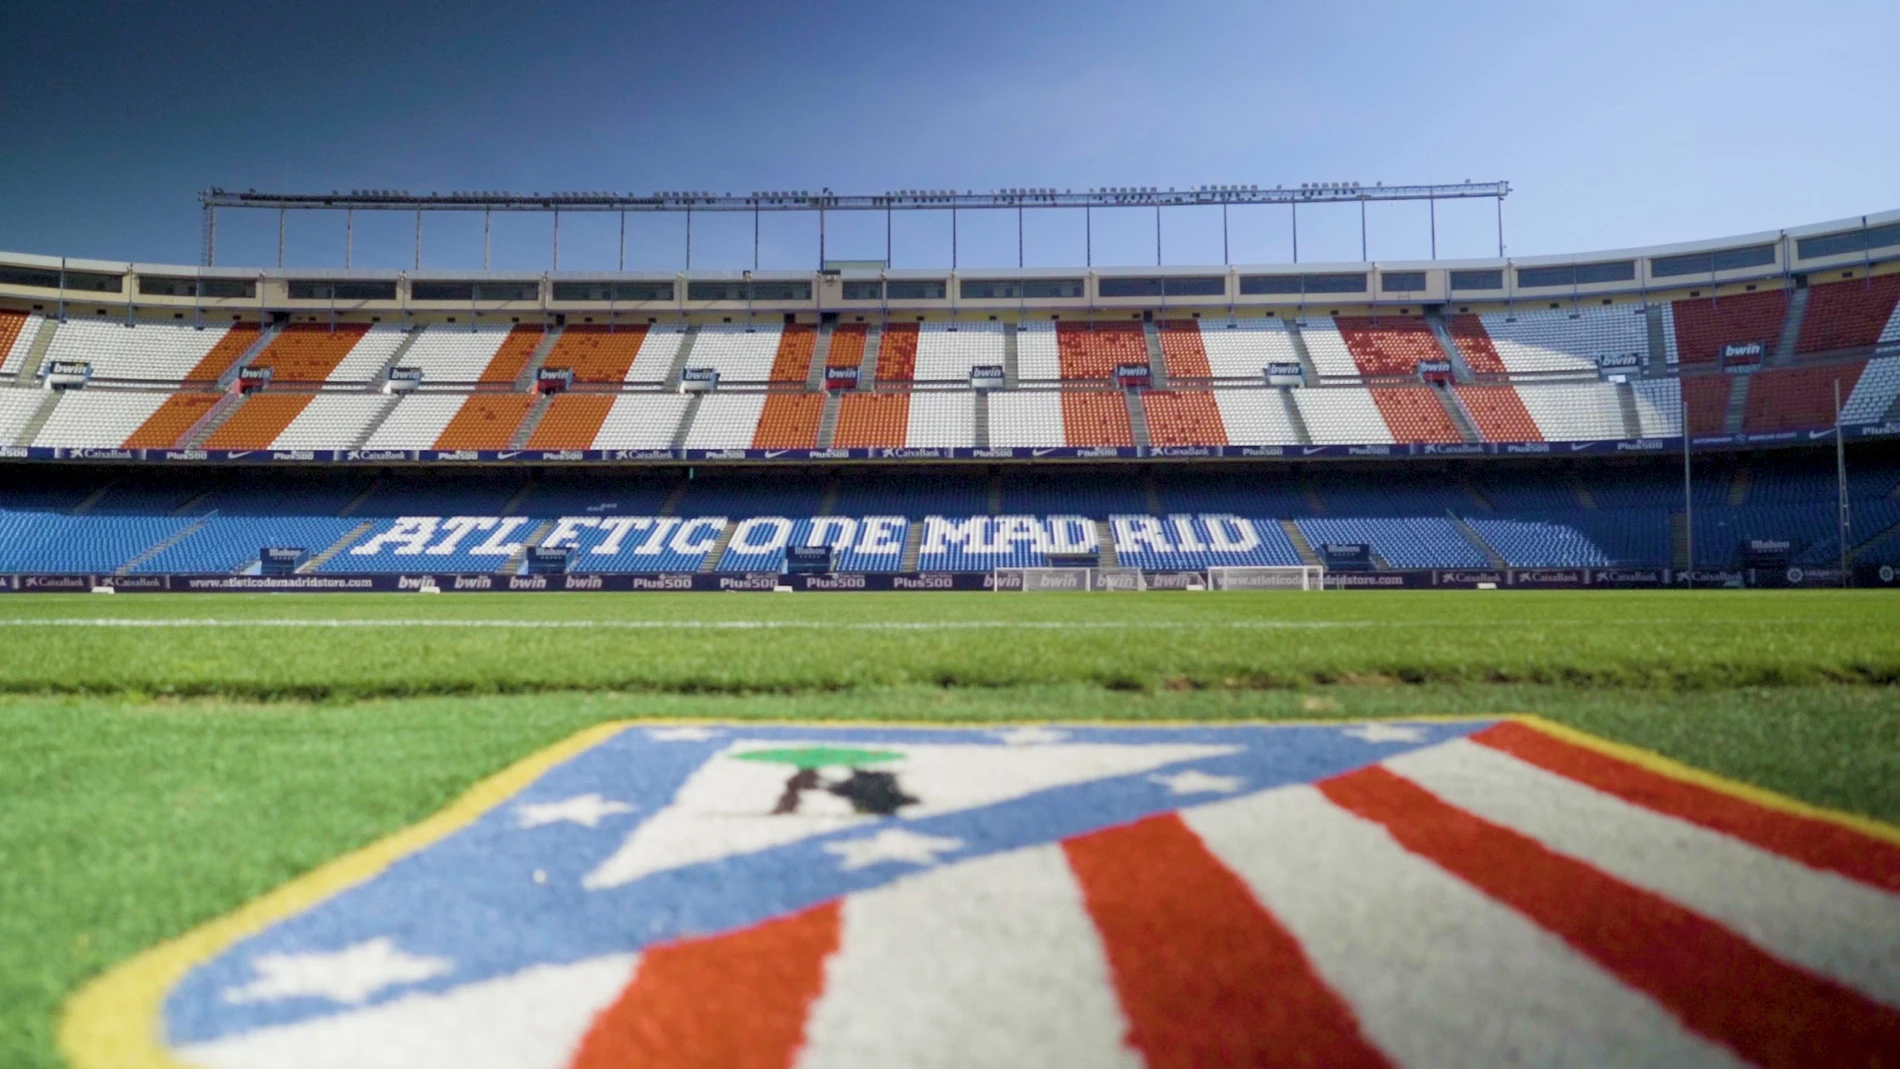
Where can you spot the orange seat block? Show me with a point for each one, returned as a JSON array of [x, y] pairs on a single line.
[[872, 421], [1091, 418], [790, 421], [259, 419], [1474, 343], [897, 353], [11, 323], [1182, 348], [163, 428], [512, 357], [1847, 315], [1704, 324], [1797, 398], [793, 359], [1499, 413], [1184, 417], [1415, 414], [571, 421], [234, 344], [1705, 402], [1387, 346], [847, 345], [308, 352], [485, 421], [595, 352], [1095, 350]]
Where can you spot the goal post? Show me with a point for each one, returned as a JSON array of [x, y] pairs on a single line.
[[1047, 580], [1262, 577]]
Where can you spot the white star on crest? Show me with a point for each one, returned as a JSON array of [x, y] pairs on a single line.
[[1030, 736], [1385, 733], [892, 845], [1194, 781], [350, 975], [686, 734], [585, 809]]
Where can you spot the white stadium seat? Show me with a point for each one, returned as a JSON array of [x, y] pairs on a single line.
[[643, 421], [947, 351], [148, 351], [1038, 355], [331, 421], [942, 420], [1027, 418], [726, 420], [1341, 415], [1332, 358], [1538, 343], [1574, 411], [1241, 349], [1256, 417], [98, 419], [1658, 407], [738, 353], [416, 421], [451, 353], [657, 352]]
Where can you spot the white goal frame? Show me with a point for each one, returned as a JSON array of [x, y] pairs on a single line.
[[1045, 580], [1266, 577]]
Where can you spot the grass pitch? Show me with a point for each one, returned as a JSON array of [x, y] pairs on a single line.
[[164, 759]]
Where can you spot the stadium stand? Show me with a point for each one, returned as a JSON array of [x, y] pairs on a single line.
[[97, 419], [658, 351], [485, 421], [872, 420], [1038, 353], [1554, 342], [1874, 395], [1183, 349], [143, 352], [1574, 411], [1094, 350], [1188, 541], [330, 419], [231, 544], [1093, 418], [511, 358], [947, 351], [1189, 417], [1536, 544], [1415, 414], [1475, 346], [847, 345], [17, 408], [597, 353], [572, 421], [1255, 417], [1498, 412], [1658, 407], [312, 353], [726, 421], [1703, 325], [1343, 415], [449, 353], [416, 422], [1797, 398], [790, 420], [50, 542], [1332, 358], [740, 353], [639, 421], [897, 352], [1705, 397], [1082, 494], [1028, 418], [792, 361], [169, 423], [1407, 542], [1235, 349], [742, 495], [258, 420], [1851, 314], [17, 331], [982, 543], [1387, 346]]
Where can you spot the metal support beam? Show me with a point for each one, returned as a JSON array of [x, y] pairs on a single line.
[[689, 239], [1500, 228], [953, 237], [280, 237], [1088, 237], [821, 237], [623, 241], [1296, 233], [418, 239], [887, 239], [1224, 257], [349, 237], [1157, 235], [755, 237], [486, 244], [1362, 232], [1019, 236], [211, 235], [557, 239], [1434, 210]]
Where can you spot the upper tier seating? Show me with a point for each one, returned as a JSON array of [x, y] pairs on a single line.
[[847, 345], [1389, 346], [1658, 407], [1027, 418], [658, 351], [17, 333], [726, 421], [1874, 394], [897, 352], [1332, 358], [1498, 413], [17, 406], [149, 351], [1095, 350], [451, 353], [416, 421], [1231, 349], [597, 352], [1552, 342], [1341, 415], [97, 419], [310, 353], [1095, 419], [1475, 345], [511, 359], [796, 344], [1700, 326], [1574, 411], [1185, 417], [641, 421], [1797, 398], [789, 421], [1536, 544], [331, 421], [738, 352], [1415, 414], [1850, 314], [1255, 417], [167, 424], [947, 351], [1038, 354]]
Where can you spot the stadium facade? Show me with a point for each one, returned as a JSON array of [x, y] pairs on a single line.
[[1461, 418]]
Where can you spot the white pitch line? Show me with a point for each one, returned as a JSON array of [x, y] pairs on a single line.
[[692, 625]]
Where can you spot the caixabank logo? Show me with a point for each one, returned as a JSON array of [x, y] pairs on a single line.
[[1420, 892]]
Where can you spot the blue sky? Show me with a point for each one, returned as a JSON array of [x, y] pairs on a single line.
[[1616, 123]]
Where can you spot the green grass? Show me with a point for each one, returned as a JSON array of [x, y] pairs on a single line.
[[153, 778]]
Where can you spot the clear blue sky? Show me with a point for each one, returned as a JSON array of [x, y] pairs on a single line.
[[1618, 123]]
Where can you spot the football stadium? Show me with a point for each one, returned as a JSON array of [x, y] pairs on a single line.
[[976, 659]]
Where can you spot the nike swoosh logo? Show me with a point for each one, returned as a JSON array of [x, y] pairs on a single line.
[[1576, 447], [1309, 450], [1040, 452], [234, 456], [771, 453], [507, 456]]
